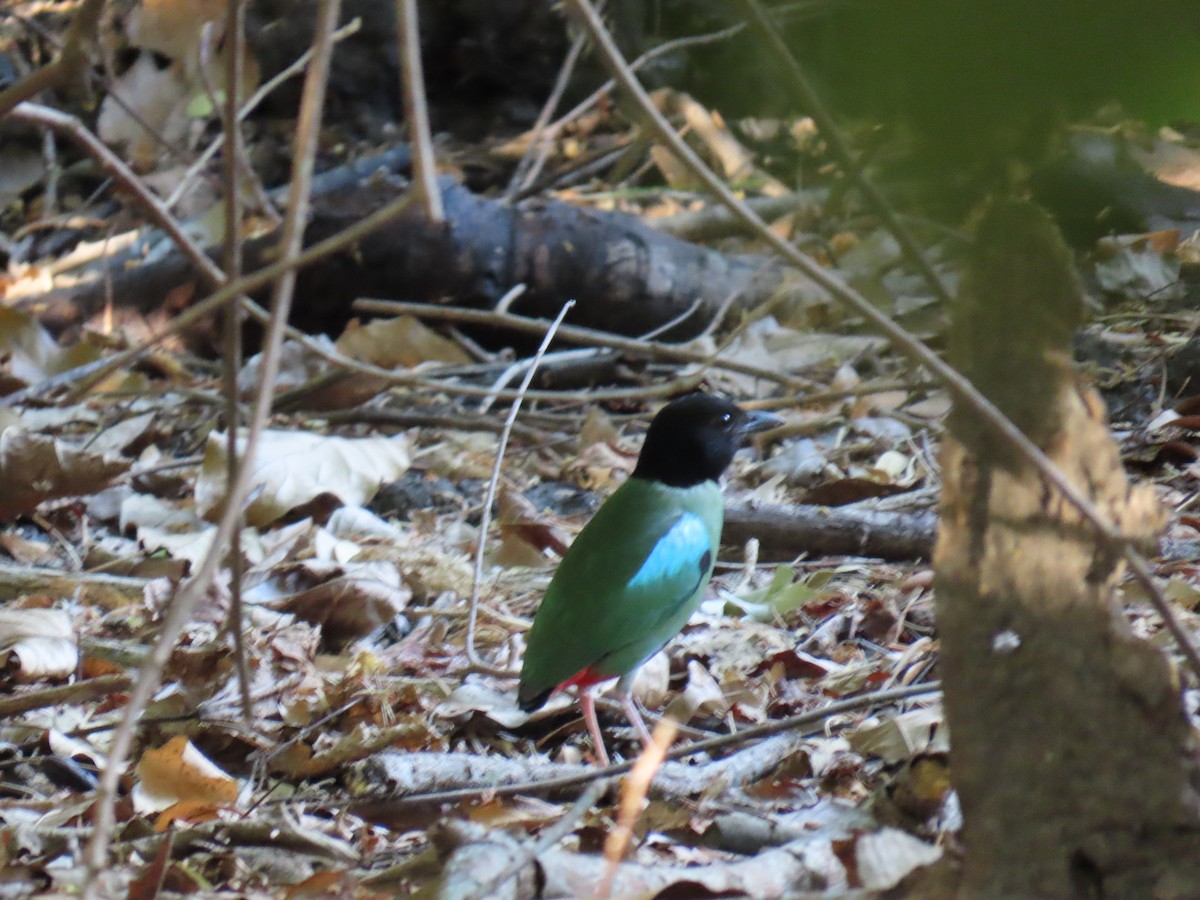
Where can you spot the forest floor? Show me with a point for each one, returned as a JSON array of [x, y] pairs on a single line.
[[357, 735]]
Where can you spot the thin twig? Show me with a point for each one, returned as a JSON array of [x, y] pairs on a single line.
[[960, 387], [416, 110], [64, 694], [235, 31], [490, 499], [551, 131], [534, 157]]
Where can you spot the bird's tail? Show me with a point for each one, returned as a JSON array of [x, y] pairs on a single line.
[[527, 701]]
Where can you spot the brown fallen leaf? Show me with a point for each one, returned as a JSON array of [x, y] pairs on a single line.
[[177, 772], [35, 468]]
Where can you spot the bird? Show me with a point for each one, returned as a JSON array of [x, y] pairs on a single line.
[[637, 571]]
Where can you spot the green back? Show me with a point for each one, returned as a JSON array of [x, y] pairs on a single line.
[[592, 616]]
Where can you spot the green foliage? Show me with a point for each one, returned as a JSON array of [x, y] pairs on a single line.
[[970, 72]]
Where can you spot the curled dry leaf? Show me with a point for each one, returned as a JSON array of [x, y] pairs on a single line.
[[499, 705], [35, 468], [347, 601], [652, 683], [31, 353], [702, 694], [292, 468], [520, 518], [402, 342], [37, 644], [177, 772], [600, 466], [889, 855], [900, 738]]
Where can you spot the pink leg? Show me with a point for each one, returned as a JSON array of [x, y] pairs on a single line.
[[588, 704], [635, 717], [631, 711]]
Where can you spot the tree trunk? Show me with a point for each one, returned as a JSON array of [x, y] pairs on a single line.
[[1073, 759]]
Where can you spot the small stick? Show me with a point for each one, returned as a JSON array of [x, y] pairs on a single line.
[[235, 30], [416, 111], [633, 796], [472, 617], [530, 165], [64, 694]]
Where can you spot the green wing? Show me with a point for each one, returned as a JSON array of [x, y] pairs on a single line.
[[628, 585]]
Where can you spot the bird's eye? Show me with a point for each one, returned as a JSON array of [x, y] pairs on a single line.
[[726, 418]]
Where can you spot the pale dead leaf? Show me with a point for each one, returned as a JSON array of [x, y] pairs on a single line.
[[171, 27], [293, 467], [41, 641], [498, 705], [652, 682], [702, 694], [75, 749], [846, 378], [117, 436], [150, 95], [599, 465], [900, 738], [597, 428], [177, 772], [402, 342], [935, 406], [31, 353], [1132, 268], [354, 523], [138, 511], [889, 855], [328, 547], [894, 467]]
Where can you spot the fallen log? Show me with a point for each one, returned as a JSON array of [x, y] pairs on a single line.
[[623, 275]]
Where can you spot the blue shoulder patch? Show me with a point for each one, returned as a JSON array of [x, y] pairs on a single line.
[[684, 547]]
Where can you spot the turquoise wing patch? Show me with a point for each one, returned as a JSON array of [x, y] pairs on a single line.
[[684, 547]]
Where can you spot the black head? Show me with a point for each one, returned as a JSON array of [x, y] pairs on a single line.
[[693, 439]]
